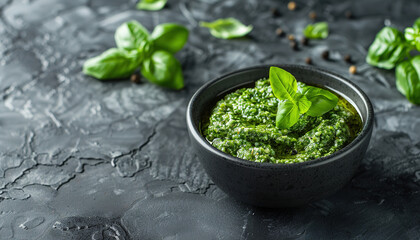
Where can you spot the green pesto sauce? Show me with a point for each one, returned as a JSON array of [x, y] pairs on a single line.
[[243, 124]]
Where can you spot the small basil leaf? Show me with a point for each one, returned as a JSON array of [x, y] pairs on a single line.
[[163, 69], [131, 36], [322, 100], [283, 84], [112, 64], [412, 35], [303, 103], [227, 28], [169, 37], [316, 31], [388, 48], [408, 79], [287, 114], [151, 5]]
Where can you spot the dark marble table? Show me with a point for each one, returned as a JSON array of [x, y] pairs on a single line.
[[84, 159]]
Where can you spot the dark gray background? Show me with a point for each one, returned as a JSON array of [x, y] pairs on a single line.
[[85, 159]]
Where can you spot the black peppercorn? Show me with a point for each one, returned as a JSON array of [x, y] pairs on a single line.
[[349, 15], [312, 15], [274, 12], [308, 60], [325, 54], [293, 45], [135, 78], [291, 37], [279, 32], [347, 58], [304, 41]]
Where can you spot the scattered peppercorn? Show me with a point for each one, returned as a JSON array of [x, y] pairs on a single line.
[[291, 37], [293, 45], [325, 54], [349, 14], [294, 152], [291, 6], [279, 32], [274, 12], [308, 60], [304, 41], [347, 58], [352, 69], [312, 15], [135, 78]]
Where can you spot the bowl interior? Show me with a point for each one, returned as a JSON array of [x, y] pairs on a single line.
[[205, 98]]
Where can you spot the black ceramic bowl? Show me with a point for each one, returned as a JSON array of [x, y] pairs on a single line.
[[278, 185]]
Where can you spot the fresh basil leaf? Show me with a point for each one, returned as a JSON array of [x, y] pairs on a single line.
[[227, 28], [408, 79], [112, 64], [316, 31], [303, 103], [163, 69], [287, 114], [412, 35], [283, 84], [322, 100], [132, 36], [388, 49], [169, 37], [151, 5]]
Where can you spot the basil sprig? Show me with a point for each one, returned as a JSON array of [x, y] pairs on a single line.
[[152, 53], [388, 48], [151, 5], [391, 48], [296, 100], [316, 31], [227, 28]]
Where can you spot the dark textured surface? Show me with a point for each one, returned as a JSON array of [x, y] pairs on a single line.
[[84, 159]]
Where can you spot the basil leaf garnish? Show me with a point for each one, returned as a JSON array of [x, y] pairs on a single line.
[[296, 100], [112, 64], [151, 5], [169, 37], [163, 69], [283, 83], [303, 103], [227, 28], [287, 114], [408, 79], [388, 49], [316, 31], [322, 100]]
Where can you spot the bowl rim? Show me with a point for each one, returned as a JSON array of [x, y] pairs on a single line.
[[367, 125]]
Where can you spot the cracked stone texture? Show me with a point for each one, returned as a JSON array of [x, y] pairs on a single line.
[[84, 159]]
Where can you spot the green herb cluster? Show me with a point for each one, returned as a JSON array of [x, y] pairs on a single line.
[[227, 28], [316, 31], [391, 48], [296, 100], [136, 48]]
